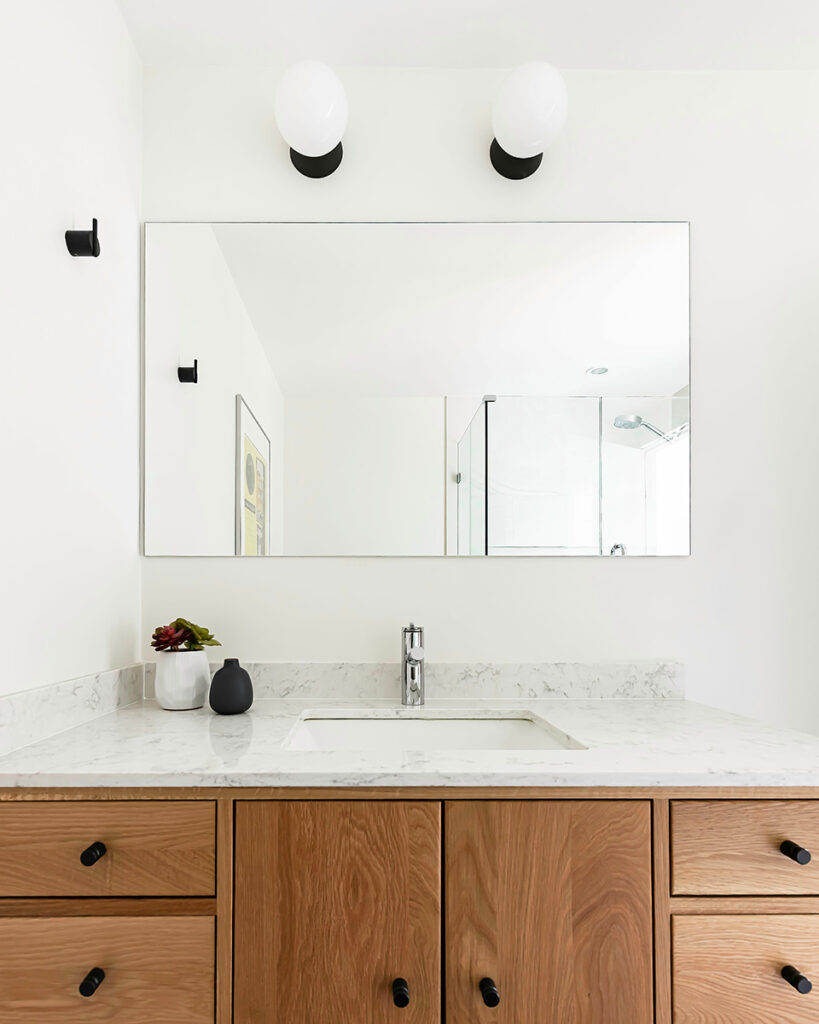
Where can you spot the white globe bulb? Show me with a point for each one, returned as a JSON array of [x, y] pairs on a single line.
[[311, 108], [530, 109]]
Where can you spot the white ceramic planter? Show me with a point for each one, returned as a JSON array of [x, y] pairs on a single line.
[[182, 679]]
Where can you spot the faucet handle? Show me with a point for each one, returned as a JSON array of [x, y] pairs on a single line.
[[415, 654]]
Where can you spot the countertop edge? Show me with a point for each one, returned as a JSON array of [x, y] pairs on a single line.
[[300, 781]]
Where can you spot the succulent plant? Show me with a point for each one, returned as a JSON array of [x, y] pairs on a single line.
[[169, 638], [182, 632], [200, 638]]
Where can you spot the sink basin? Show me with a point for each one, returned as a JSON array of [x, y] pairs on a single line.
[[426, 730]]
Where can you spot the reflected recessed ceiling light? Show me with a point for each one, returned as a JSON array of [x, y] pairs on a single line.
[[597, 370]]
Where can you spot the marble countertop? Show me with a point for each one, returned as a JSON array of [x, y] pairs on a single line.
[[629, 743]]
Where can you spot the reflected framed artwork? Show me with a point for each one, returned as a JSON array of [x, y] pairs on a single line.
[[252, 483]]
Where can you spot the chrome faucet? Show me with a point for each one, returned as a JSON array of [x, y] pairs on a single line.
[[412, 665]]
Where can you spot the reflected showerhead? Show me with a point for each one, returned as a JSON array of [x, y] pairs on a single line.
[[628, 422], [632, 422]]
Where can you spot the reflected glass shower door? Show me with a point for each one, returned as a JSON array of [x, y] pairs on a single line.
[[575, 476], [472, 455], [544, 476]]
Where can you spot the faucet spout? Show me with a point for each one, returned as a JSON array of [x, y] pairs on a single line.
[[412, 665]]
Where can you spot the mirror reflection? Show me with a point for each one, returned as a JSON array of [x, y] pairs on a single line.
[[417, 389]]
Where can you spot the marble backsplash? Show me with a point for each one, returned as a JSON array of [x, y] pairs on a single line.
[[561, 680], [32, 715]]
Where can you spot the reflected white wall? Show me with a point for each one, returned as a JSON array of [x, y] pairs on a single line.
[[193, 311], [364, 476], [667, 467], [645, 479], [624, 498]]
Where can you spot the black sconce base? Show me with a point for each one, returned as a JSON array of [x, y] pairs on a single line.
[[514, 167], [317, 166]]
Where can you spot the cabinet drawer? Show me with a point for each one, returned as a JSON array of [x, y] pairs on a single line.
[[151, 848], [728, 968], [732, 847], [156, 969]]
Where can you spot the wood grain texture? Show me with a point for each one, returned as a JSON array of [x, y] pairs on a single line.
[[156, 969], [727, 969], [334, 901], [188, 906], [224, 920], [744, 904], [553, 902], [724, 848], [662, 912], [153, 849]]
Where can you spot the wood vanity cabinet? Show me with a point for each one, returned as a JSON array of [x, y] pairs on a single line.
[[549, 900], [491, 906]]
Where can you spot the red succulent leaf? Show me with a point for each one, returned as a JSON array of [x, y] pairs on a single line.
[[170, 638]]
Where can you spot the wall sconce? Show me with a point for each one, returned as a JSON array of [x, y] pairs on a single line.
[[311, 112], [528, 115], [83, 243]]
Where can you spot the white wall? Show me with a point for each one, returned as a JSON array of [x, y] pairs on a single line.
[[69, 336], [363, 476], [734, 153], [194, 311]]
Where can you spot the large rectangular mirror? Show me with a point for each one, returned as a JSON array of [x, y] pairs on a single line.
[[416, 389]]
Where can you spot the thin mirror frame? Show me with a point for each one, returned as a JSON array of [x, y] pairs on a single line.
[[454, 556]]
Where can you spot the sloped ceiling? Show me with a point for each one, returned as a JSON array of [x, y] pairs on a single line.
[[605, 34]]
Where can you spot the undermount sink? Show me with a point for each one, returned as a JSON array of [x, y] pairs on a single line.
[[426, 730]]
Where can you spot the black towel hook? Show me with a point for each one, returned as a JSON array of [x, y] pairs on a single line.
[[83, 243], [188, 374]]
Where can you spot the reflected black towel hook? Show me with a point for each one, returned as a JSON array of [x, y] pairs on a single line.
[[188, 374], [83, 243]]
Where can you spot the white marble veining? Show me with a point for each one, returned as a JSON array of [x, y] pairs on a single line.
[[380, 680], [629, 743], [31, 715]]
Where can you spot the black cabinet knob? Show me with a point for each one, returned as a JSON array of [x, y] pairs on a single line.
[[489, 991], [795, 852], [400, 992], [799, 981], [92, 981], [93, 853]]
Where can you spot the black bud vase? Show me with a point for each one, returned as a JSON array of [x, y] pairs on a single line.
[[231, 691]]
